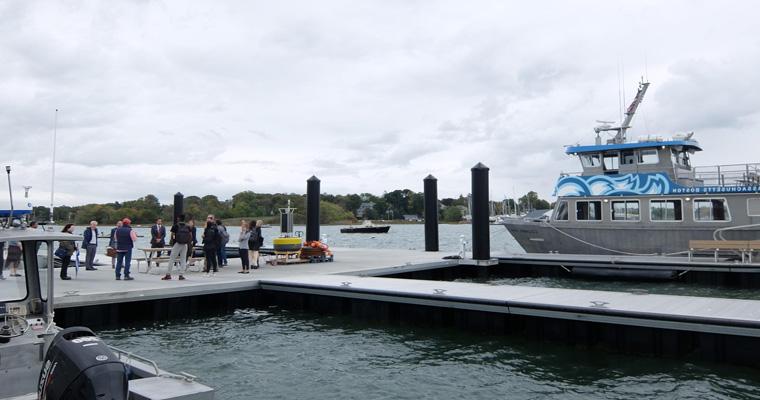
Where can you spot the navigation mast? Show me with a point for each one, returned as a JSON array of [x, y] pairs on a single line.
[[629, 113]]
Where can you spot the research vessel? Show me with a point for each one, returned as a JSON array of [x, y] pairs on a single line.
[[644, 197]]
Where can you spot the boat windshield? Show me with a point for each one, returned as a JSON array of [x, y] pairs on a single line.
[[12, 282], [14, 286]]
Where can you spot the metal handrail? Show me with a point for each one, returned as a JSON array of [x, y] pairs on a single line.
[[129, 355]]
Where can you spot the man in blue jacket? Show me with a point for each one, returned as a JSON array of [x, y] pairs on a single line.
[[90, 243]]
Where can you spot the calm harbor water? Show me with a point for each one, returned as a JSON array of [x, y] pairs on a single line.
[[273, 353], [276, 354]]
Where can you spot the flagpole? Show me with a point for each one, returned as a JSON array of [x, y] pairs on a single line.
[[52, 179]]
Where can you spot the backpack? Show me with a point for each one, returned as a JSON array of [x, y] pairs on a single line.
[[223, 233], [183, 235]]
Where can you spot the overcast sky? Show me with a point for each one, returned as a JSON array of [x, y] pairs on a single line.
[[217, 97]]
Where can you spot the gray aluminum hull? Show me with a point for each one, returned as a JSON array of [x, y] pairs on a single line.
[[569, 238]]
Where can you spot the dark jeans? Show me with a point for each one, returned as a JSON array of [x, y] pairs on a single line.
[[65, 266], [244, 259], [221, 254], [123, 258], [211, 258], [91, 250]]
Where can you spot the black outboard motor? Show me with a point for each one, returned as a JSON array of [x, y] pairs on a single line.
[[79, 366]]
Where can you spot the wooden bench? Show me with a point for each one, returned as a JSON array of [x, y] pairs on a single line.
[[716, 246], [157, 260]]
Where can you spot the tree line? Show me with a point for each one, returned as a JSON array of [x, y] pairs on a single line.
[[392, 205]]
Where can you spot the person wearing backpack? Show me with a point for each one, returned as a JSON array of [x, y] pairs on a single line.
[[181, 236], [245, 234], [210, 245], [255, 242], [224, 238]]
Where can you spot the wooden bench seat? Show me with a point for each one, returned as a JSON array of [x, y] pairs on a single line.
[[743, 246]]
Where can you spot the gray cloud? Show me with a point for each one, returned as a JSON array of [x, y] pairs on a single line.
[[159, 97]]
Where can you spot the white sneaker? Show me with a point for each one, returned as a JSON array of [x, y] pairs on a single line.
[[207, 275], [213, 274]]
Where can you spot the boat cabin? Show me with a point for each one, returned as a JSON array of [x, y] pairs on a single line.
[[671, 157]]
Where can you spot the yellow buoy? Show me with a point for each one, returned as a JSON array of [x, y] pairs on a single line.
[[287, 244]]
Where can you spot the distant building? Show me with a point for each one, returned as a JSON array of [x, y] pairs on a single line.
[[412, 218]]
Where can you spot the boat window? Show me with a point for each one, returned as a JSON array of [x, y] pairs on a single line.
[[591, 160], [13, 285], [561, 213], [665, 210], [680, 158], [611, 161], [627, 157], [588, 210], [753, 207], [648, 157], [627, 210], [711, 210]]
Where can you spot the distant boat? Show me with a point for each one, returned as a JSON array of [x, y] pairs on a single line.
[[366, 227]]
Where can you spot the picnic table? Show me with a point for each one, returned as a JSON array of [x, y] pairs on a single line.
[[151, 256]]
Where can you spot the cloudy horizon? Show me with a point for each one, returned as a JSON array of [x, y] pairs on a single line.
[[216, 98]]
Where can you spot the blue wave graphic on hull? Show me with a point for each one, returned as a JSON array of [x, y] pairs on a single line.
[[614, 185]]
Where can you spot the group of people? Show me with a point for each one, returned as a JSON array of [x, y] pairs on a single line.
[[122, 232], [182, 239], [215, 238], [249, 243]]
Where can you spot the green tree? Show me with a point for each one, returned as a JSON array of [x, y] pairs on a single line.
[[452, 214], [531, 201]]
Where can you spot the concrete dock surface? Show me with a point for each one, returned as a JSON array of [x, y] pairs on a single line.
[[100, 287]]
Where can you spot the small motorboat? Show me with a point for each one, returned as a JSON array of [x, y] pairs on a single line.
[[366, 227], [42, 361]]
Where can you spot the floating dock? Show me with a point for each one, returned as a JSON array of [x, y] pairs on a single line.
[[725, 330]]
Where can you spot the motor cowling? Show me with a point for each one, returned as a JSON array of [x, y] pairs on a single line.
[[78, 365]]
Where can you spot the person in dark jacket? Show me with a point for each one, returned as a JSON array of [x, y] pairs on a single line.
[[181, 237], [224, 238], [194, 242], [125, 241], [69, 248], [210, 245], [111, 250], [90, 243], [255, 242], [157, 237]]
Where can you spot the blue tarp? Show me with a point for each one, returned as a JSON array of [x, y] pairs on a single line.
[[16, 213]]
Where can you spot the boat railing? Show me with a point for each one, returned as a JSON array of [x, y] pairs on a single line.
[[726, 175], [712, 175]]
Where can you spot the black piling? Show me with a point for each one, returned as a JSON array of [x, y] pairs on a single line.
[[178, 206], [481, 246], [312, 209], [431, 213]]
